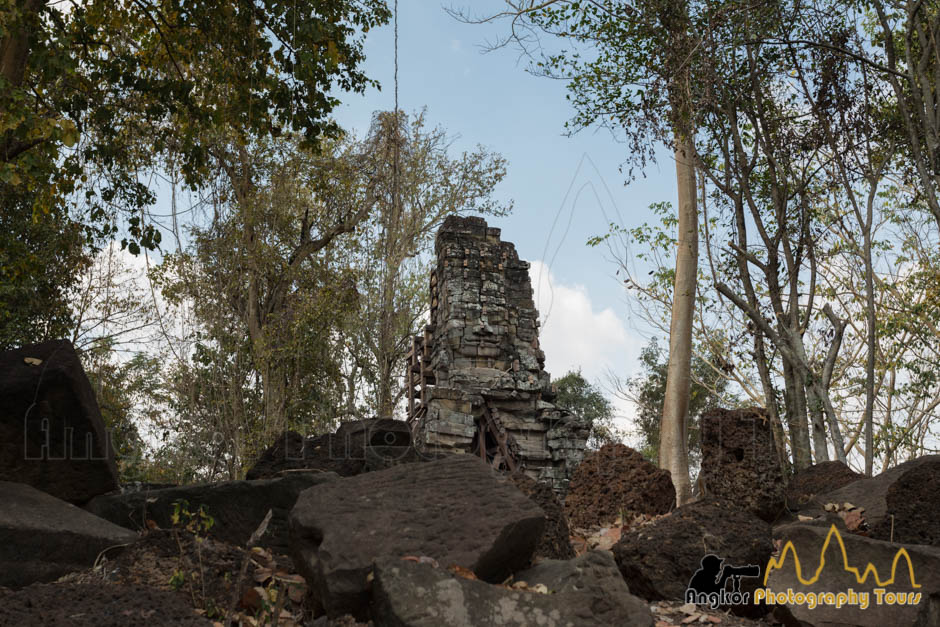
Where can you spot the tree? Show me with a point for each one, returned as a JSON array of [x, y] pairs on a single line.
[[267, 291], [797, 113], [909, 39], [418, 184], [585, 400], [93, 94], [638, 78], [306, 282], [40, 263], [129, 397], [647, 391]]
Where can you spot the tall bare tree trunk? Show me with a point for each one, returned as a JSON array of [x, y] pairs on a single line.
[[796, 418], [770, 400], [274, 393], [820, 448], [872, 348], [673, 434], [14, 46], [813, 402]]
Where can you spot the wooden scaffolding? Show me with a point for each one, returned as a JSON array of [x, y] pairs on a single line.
[[419, 376]]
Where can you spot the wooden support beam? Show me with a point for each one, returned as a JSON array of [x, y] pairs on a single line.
[[501, 437]]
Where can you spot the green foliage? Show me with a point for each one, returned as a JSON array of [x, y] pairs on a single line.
[[177, 579], [40, 262], [266, 294], [129, 394], [587, 401], [419, 183], [198, 522], [93, 93], [648, 389], [625, 64]]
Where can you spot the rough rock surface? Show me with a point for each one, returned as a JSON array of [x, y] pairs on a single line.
[[555, 542], [237, 507], [908, 492], [808, 542], [91, 605], [456, 510], [657, 560], [584, 591], [818, 479], [616, 480], [51, 433], [913, 502], [43, 538], [739, 461], [356, 447]]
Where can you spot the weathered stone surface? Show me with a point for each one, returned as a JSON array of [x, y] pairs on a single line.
[[51, 433], [237, 507], [616, 480], [356, 447], [287, 452], [92, 605], [456, 510], [818, 479], [739, 461], [808, 544], [913, 506], [555, 542], [658, 560], [907, 492], [483, 363], [584, 591], [43, 538]]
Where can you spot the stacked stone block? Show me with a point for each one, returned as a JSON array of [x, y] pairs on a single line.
[[485, 353], [739, 461]]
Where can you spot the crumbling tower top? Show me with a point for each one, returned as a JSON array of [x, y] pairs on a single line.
[[477, 376]]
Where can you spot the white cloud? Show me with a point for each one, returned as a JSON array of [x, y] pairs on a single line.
[[455, 45], [574, 335]]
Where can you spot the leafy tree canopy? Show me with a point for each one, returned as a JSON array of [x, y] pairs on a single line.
[[584, 399], [648, 389], [93, 94]]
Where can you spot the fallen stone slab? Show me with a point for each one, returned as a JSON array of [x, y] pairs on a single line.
[[818, 479], [883, 583], [92, 605], [236, 507], [555, 542], [900, 504], [52, 436], [456, 510], [912, 511], [658, 560], [584, 591], [739, 461], [43, 538], [356, 447], [613, 481]]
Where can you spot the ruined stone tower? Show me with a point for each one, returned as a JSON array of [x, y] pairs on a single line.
[[477, 383]]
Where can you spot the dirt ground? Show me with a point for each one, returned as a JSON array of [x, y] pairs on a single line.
[[169, 577]]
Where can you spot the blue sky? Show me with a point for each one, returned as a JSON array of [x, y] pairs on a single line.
[[489, 99]]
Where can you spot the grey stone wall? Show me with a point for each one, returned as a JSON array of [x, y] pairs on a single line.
[[484, 353]]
